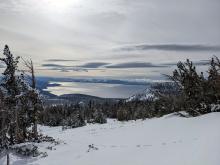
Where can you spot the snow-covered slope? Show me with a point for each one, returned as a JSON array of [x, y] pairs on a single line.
[[142, 96], [169, 140]]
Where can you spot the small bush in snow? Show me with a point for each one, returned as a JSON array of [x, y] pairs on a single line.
[[73, 121], [99, 117], [26, 150]]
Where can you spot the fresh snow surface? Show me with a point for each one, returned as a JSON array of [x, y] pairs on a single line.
[[169, 140]]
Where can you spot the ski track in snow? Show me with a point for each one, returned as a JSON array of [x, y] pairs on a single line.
[[168, 140]]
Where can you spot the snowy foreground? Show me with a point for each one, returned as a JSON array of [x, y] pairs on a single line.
[[170, 140]]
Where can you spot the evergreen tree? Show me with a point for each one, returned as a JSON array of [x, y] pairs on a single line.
[[18, 100], [191, 85], [214, 80], [34, 97], [10, 87], [99, 117]]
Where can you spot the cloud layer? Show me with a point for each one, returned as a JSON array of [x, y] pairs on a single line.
[[106, 66], [60, 60], [93, 65], [135, 65], [172, 47]]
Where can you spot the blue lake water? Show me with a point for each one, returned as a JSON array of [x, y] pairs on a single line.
[[96, 89]]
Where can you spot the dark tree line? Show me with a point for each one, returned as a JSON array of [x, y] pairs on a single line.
[[73, 115]]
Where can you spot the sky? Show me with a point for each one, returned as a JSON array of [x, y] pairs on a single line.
[[110, 39]]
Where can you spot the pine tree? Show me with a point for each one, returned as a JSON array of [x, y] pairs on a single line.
[[24, 107], [34, 97], [214, 80], [99, 117], [191, 85], [21, 103], [10, 88]]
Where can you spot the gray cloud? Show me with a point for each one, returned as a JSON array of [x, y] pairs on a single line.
[[90, 65], [198, 63], [172, 47], [96, 65], [135, 65], [2, 66], [63, 68], [93, 65], [60, 60], [53, 65]]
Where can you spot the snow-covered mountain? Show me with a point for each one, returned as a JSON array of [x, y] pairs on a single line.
[[142, 96]]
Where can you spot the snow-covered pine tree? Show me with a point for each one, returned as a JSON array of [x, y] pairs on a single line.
[[25, 107], [3, 122], [99, 117], [191, 85], [34, 97], [213, 85], [10, 88], [21, 103], [214, 79]]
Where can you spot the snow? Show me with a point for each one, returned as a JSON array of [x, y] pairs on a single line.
[[169, 140], [142, 96]]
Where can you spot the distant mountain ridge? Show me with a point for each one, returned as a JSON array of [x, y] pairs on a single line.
[[76, 98], [142, 96]]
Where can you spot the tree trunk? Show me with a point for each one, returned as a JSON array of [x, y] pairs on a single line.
[[8, 159], [17, 137], [35, 124], [35, 108], [30, 66]]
